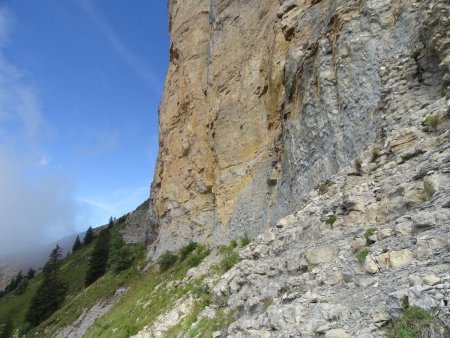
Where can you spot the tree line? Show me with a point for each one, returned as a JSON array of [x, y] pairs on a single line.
[[109, 253]]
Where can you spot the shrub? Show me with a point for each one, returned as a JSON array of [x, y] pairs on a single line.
[[358, 164], [330, 220], [166, 261], [415, 54], [267, 302], [369, 232], [233, 244], [361, 255], [121, 257], [202, 294], [443, 90], [229, 259], [414, 323], [199, 255], [432, 122], [244, 240], [323, 188], [187, 250], [375, 153]]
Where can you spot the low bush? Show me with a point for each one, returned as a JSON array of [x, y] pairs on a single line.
[[361, 255], [375, 153], [323, 188], [166, 261], [369, 233], [432, 122], [415, 323], [330, 220], [187, 249], [244, 241], [358, 164]]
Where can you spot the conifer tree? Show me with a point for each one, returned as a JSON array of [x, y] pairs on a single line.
[[51, 292], [6, 329], [121, 257], [89, 236], [99, 258], [31, 273], [76, 244], [111, 222]]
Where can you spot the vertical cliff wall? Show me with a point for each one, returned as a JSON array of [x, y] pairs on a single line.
[[265, 99]]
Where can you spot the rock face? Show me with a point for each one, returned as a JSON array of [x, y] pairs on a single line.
[[265, 99]]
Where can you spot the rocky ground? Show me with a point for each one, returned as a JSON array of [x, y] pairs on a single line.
[[302, 278], [89, 316]]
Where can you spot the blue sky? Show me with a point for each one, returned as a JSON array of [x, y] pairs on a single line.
[[80, 85]]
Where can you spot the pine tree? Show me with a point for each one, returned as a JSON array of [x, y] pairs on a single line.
[[76, 244], [31, 273], [14, 283], [111, 222], [121, 257], [6, 329], [99, 258], [89, 236], [51, 292]]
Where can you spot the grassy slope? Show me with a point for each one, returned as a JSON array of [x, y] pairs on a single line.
[[147, 298], [72, 272], [86, 297]]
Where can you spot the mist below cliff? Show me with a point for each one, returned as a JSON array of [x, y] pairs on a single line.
[[36, 209]]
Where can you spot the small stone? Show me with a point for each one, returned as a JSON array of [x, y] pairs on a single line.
[[380, 319], [431, 280], [370, 266], [323, 328], [384, 233], [324, 254], [413, 280], [337, 333], [261, 251], [217, 334], [358, 244], [398, 259]]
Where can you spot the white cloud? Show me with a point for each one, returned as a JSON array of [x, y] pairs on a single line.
[[6, 23], [36, 205], [118, 203], [133, 60]]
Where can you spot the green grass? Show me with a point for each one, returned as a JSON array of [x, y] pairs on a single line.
[[144, 301], [73, 270], [244, 241], [323, 187], [85, 298], [358, 164], [330, 220], [167, 260], [369, 233], [147, 296], [432, 122], [413, 324], [229, 259], [375, 153], [361, 255]]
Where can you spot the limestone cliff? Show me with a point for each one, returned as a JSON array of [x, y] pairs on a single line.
[[266, 99]]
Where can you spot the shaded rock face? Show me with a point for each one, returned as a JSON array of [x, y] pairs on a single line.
[[266, 99]]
